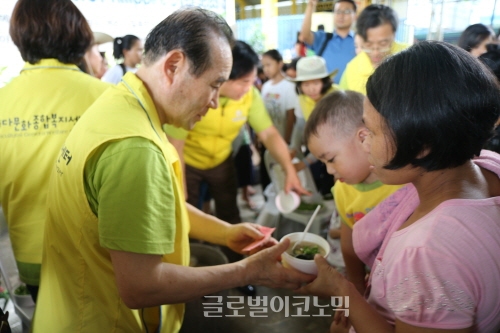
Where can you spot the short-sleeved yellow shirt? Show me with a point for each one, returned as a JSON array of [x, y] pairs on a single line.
[[208, 144], [360, 68]]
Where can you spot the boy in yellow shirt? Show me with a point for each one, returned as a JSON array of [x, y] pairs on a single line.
[[335, 134]]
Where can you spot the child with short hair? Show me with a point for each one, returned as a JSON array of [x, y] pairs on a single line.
[[335, 134]]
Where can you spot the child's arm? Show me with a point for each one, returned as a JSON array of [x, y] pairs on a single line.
[[355, 268]]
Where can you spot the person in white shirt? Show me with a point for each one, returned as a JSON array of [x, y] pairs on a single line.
[[279, 95], [130, 49]]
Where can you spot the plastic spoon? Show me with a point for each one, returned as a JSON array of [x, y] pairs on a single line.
[[307, 227]]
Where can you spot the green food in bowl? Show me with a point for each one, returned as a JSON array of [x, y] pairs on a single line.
[[21, 290], [304, 206], [306, 252]]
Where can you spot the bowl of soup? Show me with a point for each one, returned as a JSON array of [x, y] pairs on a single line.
[[302, 257]]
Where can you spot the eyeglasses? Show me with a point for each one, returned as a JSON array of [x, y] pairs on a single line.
[[382, 47], [344, 12]]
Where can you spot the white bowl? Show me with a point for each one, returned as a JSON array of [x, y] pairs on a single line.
[[306, 266], [287, 202], [23, 300]]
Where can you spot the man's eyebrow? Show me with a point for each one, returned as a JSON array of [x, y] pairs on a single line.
[[221, 80]]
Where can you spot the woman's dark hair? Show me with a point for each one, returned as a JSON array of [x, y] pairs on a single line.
[[435, 98], [273, 54], [492, 59], [374, 16], [245, 60], [191, 30], [43, 29], [474, 35], [326, 81], [341, 110], [123, 43]]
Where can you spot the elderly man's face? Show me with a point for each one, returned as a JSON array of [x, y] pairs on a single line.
[[198, 94]]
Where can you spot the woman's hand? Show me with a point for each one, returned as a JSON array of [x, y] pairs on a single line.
[[328, 283]]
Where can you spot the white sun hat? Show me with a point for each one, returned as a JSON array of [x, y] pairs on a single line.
[[101, 38], [311, 68]]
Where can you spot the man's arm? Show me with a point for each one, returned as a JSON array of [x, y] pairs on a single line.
[[144, 280], [306, 34], [209, 228], [278, 149]]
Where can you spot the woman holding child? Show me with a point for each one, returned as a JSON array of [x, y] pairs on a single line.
[[434, 245]]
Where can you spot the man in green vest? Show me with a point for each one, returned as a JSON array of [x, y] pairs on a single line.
[[116, 240]]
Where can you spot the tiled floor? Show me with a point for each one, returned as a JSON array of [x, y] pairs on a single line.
[[9, 266]]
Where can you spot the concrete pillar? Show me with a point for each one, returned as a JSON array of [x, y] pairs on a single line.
[[269, 16]]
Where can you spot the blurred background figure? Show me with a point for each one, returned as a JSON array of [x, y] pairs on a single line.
[[128, 48], [300, 47], [475, 38], [42, 105], [337, 48], [290, 69], [280, 98], [104, 66], [94, 62], [260, 79], [492, 60], [358, 44], [377, 26]]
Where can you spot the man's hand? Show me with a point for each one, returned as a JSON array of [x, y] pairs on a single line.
[[265, 269], [238, 236]]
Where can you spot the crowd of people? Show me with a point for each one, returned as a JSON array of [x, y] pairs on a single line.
[[105, 172]]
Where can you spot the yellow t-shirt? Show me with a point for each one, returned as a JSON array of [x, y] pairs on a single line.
[[353, 202], [209, 143], [359, 69], [37, 111], [78, 291]]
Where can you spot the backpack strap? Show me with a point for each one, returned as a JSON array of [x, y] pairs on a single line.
[[329, 36], [122, 65]]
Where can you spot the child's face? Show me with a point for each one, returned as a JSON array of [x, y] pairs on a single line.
[[312, 88], [343, 156], [271, 67]]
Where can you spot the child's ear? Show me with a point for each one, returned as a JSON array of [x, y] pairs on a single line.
[[362, 133]]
